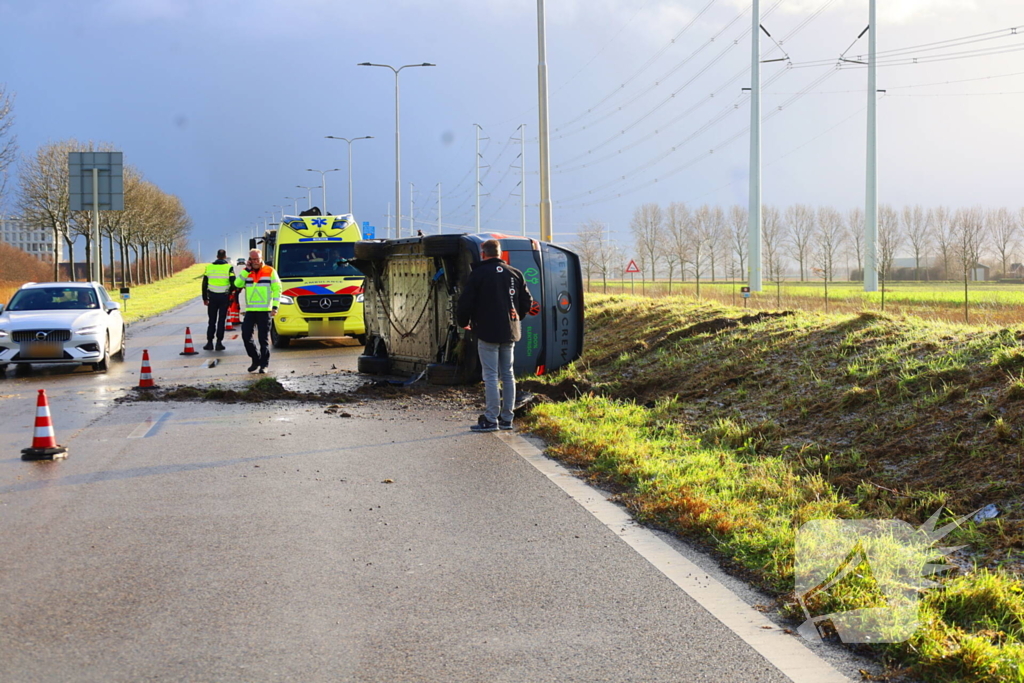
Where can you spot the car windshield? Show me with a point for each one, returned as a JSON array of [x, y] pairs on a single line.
[[53, 299], [316, 260]]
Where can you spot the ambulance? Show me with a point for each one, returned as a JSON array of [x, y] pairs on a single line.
[[321, 293]]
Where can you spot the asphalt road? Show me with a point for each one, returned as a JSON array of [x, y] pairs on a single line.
[[212, 542]]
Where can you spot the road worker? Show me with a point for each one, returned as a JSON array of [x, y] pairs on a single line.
[[262, 288], [218, 281]]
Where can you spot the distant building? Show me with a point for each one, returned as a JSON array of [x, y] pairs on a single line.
[[36, 241], [1016, 271]]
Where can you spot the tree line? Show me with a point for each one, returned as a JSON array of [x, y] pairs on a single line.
[[149, 235], [702, 243]]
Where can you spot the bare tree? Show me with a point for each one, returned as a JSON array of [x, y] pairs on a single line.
[[1003, 231], [968, 232], [587, 246], [699, 241], [773, 241], [918, 232], [739, 237], [608, 257], [648, 235], [826, 245], [717, 238], [890, 239], [8, 141], [942, 230], [677, 237], [855, 237], [44, 199], [800, 221]]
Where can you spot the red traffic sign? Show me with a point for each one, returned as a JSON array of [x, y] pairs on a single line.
[[631, 268], [744, 290]]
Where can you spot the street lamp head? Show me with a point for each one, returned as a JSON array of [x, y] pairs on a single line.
[[364, 64], [427, 64]]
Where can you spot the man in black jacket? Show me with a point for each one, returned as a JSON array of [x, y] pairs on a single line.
[[217, 285], [494, 302]]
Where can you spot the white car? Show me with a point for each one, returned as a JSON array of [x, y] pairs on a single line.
[[64, 323]]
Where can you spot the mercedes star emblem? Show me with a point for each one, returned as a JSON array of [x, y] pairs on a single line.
[[325, 303]]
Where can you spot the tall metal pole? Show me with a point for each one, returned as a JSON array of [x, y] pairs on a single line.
[[477, 184], [871, 195], [398, 145], [398, 165], [97, 275], [522, 176], [439, 208], [542, 127], [754, 208], [323, 187]]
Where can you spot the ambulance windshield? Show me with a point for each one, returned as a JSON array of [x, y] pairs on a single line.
[[320, 259]]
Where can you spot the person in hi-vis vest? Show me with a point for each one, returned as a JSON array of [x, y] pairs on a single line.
[[262, 289], [218, 281]]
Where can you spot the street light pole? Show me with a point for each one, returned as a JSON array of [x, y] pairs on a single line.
[[398, 146], [296, 201], [349, 141], [309, 194], [323, 184], [542, 127]]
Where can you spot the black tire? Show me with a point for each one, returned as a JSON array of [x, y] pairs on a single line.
[[443, 373], [372, 365], [119, 356], [279, 341], [3, 371], [441, 245], [368, 250], [102, 365]]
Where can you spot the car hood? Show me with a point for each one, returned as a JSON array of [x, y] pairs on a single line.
[[49, 320]]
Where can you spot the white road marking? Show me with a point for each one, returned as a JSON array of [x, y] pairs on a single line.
[[785, 652], [150, 426]]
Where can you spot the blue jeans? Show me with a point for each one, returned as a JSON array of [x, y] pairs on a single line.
[[496, 363]]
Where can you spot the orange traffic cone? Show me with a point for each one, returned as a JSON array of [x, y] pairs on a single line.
[[146, 375], [232, 318], [44, 443], [189, 349]]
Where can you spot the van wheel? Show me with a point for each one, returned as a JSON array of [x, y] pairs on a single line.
[[280, 341], [368, 250], [444, 373], [361, 338], [441, 245], [372, 365]]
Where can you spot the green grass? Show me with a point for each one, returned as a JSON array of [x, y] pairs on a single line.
[[163, 295], [735, 431]]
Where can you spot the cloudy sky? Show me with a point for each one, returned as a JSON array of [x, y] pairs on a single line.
[[226, 102]]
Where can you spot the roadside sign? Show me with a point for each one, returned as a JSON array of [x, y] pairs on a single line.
[[631, 268], [368, 231], [126, 293]]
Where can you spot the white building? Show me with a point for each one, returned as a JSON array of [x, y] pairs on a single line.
[[36, 241]]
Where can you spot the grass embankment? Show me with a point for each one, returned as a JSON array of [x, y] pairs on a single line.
[[163, 295], [734, 430], [989, 302]]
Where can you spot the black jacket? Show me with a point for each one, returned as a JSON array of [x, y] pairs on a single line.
[[494, 301]]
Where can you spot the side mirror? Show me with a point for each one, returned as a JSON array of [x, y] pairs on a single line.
[[1, 308], [111, 306], [252, 243]]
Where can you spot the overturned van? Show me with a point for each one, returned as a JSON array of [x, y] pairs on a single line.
[[412, 288]]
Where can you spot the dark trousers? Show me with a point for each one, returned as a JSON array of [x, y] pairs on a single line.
[[217, 312], [260, 320]]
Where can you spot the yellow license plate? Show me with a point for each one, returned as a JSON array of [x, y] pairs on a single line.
[[42, 350]]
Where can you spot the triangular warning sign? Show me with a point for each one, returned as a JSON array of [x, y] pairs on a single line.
[[631, 268]]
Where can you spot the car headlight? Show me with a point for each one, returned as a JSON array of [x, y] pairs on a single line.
[[3, 333], [287, 300], [359, 298], [88, 329]]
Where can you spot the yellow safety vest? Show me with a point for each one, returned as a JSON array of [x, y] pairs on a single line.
[[218, 277], [262, 289]]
